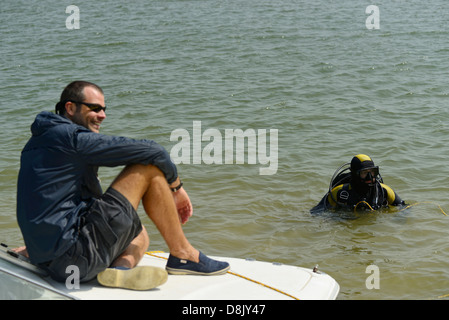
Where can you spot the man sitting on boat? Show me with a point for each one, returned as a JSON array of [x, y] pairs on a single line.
[[66, 219], [361, 188]]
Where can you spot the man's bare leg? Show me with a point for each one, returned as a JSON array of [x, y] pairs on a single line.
[[135, 251], [148, 184]]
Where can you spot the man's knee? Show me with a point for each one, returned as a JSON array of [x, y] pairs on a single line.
[[134, 181]]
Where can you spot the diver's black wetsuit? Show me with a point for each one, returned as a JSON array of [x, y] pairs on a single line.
[[345, 196]]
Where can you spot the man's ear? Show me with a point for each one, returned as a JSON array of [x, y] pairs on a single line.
[[70, 108]]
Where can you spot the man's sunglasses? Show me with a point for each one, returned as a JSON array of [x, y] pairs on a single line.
[[92, 106]]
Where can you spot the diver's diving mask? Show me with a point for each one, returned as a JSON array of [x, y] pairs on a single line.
[[369, 175]]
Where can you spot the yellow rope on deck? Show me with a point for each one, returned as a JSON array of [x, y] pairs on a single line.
[[152, 253], [263, 284]]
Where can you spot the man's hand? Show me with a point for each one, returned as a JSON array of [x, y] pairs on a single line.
[[21, 250], [183, 205]]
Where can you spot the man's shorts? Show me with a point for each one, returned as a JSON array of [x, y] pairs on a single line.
[[107, 229]]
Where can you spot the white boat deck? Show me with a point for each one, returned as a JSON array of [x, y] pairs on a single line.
[[246, 280]]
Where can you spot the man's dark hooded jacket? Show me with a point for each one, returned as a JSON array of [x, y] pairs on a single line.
[[58, 179]]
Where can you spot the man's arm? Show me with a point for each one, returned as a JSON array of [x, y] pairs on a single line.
[[392, 196], [110, 151], [332, 198]]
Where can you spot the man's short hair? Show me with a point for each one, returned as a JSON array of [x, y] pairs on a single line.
[[73, 92]]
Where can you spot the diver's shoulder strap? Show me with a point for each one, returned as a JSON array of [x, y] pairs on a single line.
[[339, 194]]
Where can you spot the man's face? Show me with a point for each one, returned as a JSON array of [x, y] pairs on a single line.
[[83, 115], [369, 175]]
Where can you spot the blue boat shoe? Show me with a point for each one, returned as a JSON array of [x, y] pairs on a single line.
[[206, 266]]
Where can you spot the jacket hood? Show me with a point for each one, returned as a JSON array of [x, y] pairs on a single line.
[[46, 120]]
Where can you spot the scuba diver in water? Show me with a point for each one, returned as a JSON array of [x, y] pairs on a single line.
[[360, 188]]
